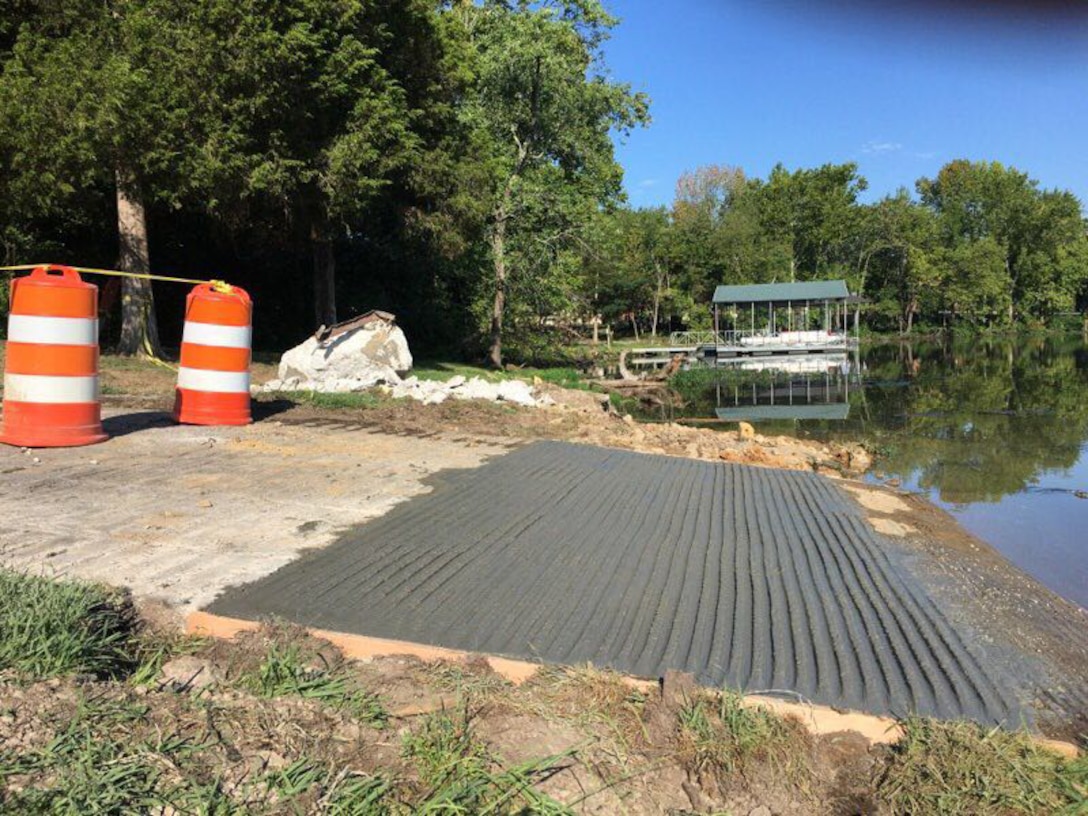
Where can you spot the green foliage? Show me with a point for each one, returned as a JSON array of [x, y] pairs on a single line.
[[286, 672], [722, 735], [983, 246], [50, 628], [460, 775], [361, 400], [94, 765], [540, 116], [961, 768]]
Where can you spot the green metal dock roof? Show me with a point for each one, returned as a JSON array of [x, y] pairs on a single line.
[[782, 292]]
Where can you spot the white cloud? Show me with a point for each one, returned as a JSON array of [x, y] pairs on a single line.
[[881, 147], [647, 183]]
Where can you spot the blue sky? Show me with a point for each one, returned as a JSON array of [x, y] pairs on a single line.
[[752, 82]]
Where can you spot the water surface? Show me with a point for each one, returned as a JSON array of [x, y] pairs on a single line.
[[993, 430]]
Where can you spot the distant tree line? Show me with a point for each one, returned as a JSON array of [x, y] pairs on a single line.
[[979, 244], [450, 161]]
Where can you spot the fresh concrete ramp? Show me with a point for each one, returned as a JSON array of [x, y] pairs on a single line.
[[755, 578]]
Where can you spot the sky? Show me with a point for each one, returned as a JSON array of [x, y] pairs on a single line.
[[898, 87]]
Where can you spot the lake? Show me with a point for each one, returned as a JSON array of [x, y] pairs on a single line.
[[993, 430]]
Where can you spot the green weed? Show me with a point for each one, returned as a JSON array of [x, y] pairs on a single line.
[[722, 735], [53, 628], [352, 400], [285, 672], [960, 768], [96, 764], [459, 775]]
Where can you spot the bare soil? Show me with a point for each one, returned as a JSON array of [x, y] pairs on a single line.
[[619, 750]]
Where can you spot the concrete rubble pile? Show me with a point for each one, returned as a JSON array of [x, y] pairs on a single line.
[[371, 351]]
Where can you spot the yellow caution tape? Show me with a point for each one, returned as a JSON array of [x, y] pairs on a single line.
[[217, 285]]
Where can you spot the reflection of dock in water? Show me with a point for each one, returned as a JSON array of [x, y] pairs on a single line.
[[792, 389]]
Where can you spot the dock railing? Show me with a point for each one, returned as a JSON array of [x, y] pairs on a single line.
[[696, 339]]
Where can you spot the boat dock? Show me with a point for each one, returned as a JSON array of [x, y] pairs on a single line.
[[711, 347]]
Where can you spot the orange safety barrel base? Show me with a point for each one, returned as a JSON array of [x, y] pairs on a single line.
[[205, 408], [34, 425], [51, 370]]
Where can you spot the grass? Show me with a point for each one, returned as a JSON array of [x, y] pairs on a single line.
[[960, 768], [457, 774], [54, 628], [718, 733], [96, 764], [565, 377], [286, 672], [351, 400]]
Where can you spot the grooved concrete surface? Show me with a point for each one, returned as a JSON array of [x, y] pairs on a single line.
[[756, 578]]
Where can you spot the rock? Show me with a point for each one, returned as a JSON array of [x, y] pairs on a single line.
[[477, 388], [435, 398], [746, 431], [762, 810], [455, 382], [188, 673], [357, 359], [677, 689], [699, 800], [518, 392]]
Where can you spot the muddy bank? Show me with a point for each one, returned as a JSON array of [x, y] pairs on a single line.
[[584, 416]]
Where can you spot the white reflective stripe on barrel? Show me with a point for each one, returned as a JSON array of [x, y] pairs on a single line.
[[42, 388], [212, 334], [53, 331], [220, 382]]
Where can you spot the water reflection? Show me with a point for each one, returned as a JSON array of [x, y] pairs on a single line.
[[973, 419], [793, 388], [978, 420]]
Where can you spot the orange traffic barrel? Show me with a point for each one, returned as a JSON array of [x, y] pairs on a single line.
[[213, 379], [51, 375]]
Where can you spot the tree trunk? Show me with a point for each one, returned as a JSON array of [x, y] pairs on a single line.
[[657, 298], [498, 256], [634, 325], [139, 329], [324, 278]]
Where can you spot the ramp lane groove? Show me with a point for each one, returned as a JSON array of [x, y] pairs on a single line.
[[748, 577]]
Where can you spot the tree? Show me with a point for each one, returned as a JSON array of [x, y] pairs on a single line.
[[81, 109], [306, 120], [812, 215], [1030, 228], [897, 240], [283, 115], [541, 113]]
